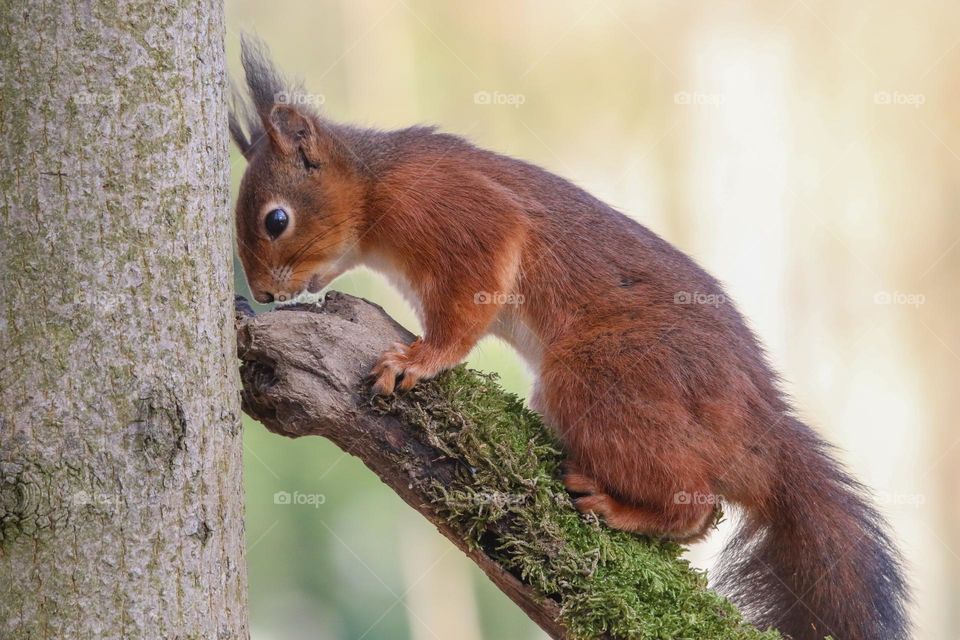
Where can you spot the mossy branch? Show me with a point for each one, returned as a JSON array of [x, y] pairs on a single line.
[[481, 467]]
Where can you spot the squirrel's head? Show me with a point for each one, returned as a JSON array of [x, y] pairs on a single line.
[[301, 199]]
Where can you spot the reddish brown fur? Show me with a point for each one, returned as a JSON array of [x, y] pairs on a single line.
[[665, 409]]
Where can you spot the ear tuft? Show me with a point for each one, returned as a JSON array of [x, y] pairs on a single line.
[[236, 132], [292, 128], [264, 82]]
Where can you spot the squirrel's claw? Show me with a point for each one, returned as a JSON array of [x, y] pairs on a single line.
[[398, 361]]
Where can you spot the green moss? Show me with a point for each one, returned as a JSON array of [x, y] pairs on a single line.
[[508, 499]]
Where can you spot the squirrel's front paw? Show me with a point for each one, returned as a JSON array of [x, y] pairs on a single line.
[[400, 360]]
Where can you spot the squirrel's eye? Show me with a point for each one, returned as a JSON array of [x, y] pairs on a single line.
[[275, 222]]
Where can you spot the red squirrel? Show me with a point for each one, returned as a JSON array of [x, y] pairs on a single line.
[[664, 409]]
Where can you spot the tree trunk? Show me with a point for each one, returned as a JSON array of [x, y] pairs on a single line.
[[471, 459], [121, 511]]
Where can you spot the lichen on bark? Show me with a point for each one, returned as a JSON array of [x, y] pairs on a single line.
[[121, 511]]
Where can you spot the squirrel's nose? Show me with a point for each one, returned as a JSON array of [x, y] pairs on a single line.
[[263, 298]]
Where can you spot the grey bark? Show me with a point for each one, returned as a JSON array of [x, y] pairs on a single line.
[[121, 512]]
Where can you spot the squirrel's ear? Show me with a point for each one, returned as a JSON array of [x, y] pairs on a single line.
[[239, 137], [293, 131]]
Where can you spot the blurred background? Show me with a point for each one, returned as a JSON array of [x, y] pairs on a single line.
[[804, 152]]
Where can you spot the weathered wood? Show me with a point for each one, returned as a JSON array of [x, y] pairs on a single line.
[[304, 373]]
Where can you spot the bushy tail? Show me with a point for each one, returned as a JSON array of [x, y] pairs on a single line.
[[816, 560]]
